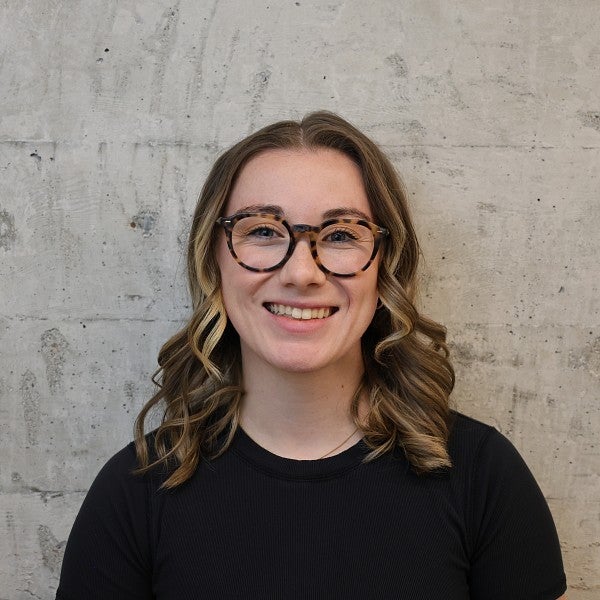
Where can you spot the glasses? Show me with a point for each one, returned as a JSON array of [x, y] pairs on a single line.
[[264, 242]]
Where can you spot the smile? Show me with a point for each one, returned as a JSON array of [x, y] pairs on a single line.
[[294, 312]]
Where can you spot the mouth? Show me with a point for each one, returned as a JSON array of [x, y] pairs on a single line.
[[300, 314]]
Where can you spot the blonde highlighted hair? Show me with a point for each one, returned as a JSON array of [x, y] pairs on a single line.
[[408, 377]]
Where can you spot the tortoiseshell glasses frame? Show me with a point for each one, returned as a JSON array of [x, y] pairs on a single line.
[[361, 249]]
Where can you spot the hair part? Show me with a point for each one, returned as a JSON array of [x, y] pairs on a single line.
[[408, 377]]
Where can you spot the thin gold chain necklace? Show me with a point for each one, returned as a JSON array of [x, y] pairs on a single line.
[[338, 446]]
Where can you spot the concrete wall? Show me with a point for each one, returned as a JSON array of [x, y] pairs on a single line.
[[111, 113]]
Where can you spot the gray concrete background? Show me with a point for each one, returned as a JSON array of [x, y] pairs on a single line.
[[112, 112]]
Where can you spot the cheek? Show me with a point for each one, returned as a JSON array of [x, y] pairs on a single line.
[[370, 290], [239, 289], [364, 297]]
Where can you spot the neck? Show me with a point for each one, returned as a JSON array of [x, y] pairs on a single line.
[[301, 415]]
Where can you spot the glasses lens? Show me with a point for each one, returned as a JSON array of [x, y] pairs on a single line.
[[260, 242], [345, 248]]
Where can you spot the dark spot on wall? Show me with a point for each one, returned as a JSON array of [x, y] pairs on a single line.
[[8, 233], [519, 400], [412, 126], [590, 119], [129, 390], [587, 358], [464, 353], [453, 173], [576, 426], [52, 549], [54, 347], [397, 64], [261, 79], [145, 220], [36, 156], [30, 400], [257, 90], [487, 207]]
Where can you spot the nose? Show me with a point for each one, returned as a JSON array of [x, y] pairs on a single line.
[[301, 270]]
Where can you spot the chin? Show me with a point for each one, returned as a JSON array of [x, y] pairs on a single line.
[[298, 366], [296, 362]]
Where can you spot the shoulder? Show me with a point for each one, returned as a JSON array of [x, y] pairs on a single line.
[[122, 463], [466, 430], [486, 464], [470, 441], [114, 484], [118, 479]]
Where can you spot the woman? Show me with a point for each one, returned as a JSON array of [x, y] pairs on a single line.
[[307, 448]]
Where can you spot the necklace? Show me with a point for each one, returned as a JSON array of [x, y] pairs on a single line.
[[338, 446]]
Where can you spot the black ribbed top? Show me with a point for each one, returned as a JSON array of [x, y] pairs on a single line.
[[251, 524]]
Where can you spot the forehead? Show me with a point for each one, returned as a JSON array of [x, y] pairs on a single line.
[[305, 183]]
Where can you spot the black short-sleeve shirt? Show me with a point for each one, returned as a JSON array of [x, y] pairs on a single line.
[[251, 524]]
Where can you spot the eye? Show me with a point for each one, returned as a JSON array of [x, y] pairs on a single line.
[[259, 231], [263, 231], [340, 235]]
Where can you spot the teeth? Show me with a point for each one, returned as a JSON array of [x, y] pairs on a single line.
[[303, 314]]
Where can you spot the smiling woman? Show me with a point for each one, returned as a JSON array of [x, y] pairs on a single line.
[[307, 448]]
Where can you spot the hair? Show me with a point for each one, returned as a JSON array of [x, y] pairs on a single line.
[[408, 377]]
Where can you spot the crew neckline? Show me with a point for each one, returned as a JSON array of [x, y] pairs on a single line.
[[290, 468]]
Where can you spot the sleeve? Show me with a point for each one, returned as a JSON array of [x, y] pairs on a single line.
[[516, 552], [108, 552]]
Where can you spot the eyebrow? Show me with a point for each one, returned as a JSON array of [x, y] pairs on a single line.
[[345, 211], [262, 208], [334, 213]]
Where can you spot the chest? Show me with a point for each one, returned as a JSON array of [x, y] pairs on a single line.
[[354, 536]]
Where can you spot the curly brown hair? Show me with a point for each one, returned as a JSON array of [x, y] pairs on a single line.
[[408, 377]]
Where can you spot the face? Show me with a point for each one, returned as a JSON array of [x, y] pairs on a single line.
[[305, 185]]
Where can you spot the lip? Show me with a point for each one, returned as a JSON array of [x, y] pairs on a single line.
[[284, 324]]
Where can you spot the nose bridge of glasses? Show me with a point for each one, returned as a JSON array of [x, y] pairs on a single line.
[[300, 228], [310, 231]]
